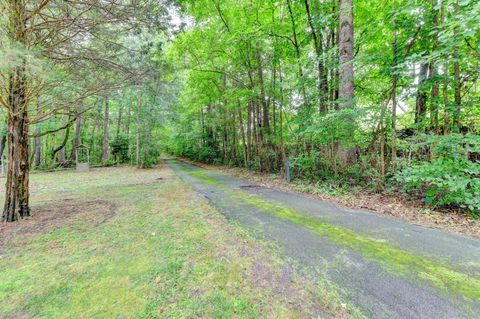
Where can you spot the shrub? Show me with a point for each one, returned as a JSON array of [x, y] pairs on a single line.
[[120, 148], [449, 178]]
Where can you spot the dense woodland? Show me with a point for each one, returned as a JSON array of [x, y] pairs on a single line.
[[378, 93]]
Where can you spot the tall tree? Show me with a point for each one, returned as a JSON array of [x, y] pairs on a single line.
[[346, 88]]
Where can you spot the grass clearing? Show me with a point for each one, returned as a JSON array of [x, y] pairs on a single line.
[[127, 243]]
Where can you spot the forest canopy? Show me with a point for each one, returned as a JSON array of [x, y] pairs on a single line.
[[373, 93], [378, 94]]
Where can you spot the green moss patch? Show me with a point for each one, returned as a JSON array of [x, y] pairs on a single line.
[[396, 260]]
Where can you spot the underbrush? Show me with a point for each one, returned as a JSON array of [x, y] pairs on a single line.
[[446, 176]]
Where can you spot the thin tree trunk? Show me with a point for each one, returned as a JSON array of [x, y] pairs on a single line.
[[317, 42], [119, 121], [434, 72], [457, 80], [394, 90], [266, 118], [3, 142], [38, 145], [105, 131], [61, 149], [249, 131], [61, 153], [78, 129], [139, 110], [242, 130], [421, 99], [38, 151], [298, 55], [446, 100]]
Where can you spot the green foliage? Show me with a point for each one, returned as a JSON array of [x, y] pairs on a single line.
[[109, 162], [450, 178], [120, 146]]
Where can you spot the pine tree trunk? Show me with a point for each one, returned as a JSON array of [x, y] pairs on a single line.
[[16, 189]]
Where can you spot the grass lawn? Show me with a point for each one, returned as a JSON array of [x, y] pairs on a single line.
[[127, 243]]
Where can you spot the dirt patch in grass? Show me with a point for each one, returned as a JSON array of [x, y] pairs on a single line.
[[53, 216], [416, 212]]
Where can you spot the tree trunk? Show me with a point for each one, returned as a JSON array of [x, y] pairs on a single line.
[[16, 189], [394, 90], [61, 149], [78, 129], [318, 46], [457, 80], [119, 121], [38, 151], [421, 100], [61, 152], [105, 132], [264, 104], [38, 145], [298, 56], [345, 46], [139, 112], [3, 142], [346, 88], [434, 72]]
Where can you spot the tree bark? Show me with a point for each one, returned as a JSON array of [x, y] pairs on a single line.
[[16, 188], [345, 47], [346, 88]]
